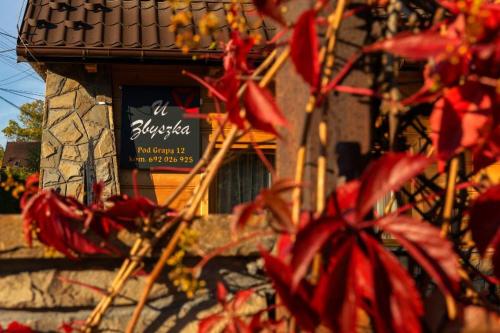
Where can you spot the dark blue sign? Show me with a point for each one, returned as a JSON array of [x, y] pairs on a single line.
[[160, 127]]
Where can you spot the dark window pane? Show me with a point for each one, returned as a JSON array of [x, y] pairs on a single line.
[[239, 180]]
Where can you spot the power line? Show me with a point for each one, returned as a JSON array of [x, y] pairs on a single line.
[[23, 92], [9, 102], [14, 75], [20, 12], [7, 34]]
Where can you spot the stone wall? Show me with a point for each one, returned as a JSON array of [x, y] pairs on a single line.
[[43, 289], [78, 110]]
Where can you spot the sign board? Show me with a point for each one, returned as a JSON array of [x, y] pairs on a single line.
[[156, 127]]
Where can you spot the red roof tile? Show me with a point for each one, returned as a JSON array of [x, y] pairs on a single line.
[[54, 29]]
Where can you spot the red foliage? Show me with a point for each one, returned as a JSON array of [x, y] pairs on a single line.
[[56, 221], [304, 48], [15, 327], [271, 9], [359, 272], [485, 224], [464, 62], [73, 228], [462, 118], [268, 199], [261, 109]]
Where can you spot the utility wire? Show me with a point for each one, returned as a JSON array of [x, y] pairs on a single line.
[[22, 92], [9, 102], [7, 34]]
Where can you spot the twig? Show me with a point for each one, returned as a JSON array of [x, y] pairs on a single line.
[[447, 215], [327, 58], [202, 263]]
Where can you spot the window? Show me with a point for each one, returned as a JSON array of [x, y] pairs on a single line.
[[239, 180]]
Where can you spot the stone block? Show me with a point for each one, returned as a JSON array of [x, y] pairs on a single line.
[[53, 84], [50, 177], [55, 115], [70, 169], [70, 130], [93, 130], [47, 149], [66, 101], [50, 162], [105, 146], [70, 85], [103, 170], [84, 101], [75, 189], [97, 115], [84, 151], [71, 153]]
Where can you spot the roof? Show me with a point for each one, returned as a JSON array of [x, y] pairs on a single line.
[[103, 29], [20, 154]]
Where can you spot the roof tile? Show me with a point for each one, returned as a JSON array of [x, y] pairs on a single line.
[[127, 24]]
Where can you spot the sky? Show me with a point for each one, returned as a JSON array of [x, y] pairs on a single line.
[[19, 84]]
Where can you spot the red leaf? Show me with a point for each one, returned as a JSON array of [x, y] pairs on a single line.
[[221, 293], [461, 119], [59, 222], [125, 210], [398, 306], [236, 53], [229, 84], [15, 327], [280, 210], [387, 174], [489, 152], [335, 296], [241, 298], [261, 109], [66, 327], [298, 301], [271, 9], [241, 215], [207, 85], [421, 46], [425, 244], [207, 324], [342, 201], [485, 218], [304, 48], [309, 241]]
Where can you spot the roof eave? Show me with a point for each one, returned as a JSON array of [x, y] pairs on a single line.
[[100, 54]]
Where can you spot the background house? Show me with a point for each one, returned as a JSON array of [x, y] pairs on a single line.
[[21, 155]]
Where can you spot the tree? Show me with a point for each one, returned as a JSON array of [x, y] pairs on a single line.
[[30, 117]]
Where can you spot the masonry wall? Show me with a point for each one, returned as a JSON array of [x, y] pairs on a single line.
[[43, 289], [78, 114]]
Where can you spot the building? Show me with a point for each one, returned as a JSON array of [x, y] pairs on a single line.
[[110, 66], [21, 155]]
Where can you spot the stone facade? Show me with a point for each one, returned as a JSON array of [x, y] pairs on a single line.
[[78, 115]]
